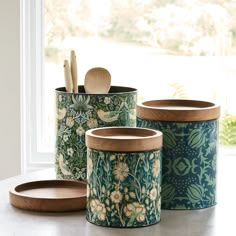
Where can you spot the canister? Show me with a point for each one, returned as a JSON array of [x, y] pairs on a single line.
[[78, 112], [123, 176], [190, 140]]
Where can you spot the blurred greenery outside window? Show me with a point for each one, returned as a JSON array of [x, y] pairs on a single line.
[[164, 48]]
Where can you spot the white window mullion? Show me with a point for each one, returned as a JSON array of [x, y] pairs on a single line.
[[32, 86]]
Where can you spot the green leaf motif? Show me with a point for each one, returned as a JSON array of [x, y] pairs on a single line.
[[167, 192], [188, 164], [210, 180], [195, 193], [169, 139], [196, 138]]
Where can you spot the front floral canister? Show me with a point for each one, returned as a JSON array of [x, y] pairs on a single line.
[[123, 176], [78, 112], [190, 133]]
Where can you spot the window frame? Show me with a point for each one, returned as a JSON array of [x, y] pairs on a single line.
[[32, 70]]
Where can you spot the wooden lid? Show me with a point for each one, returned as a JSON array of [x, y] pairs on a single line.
[[178, 110], [49, 195], [123, 139]]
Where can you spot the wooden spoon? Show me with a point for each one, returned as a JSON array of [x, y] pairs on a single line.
[[74, 71], [97, 81], [67, 76]]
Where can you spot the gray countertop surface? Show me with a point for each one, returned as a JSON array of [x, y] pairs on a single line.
[[218, 220]]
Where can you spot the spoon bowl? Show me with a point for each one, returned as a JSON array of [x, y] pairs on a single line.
[[97, 81]]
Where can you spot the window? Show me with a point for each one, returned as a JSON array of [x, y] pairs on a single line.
[[32, 86], [165, 48]]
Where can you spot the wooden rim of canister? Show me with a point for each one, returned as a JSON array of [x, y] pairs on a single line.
[[123, 139], [178, 110]]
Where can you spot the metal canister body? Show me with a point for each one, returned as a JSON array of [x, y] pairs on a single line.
[[190, 140], [78, 112], [123, 184]]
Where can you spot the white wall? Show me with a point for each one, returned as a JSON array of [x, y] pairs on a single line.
[[10, 88]]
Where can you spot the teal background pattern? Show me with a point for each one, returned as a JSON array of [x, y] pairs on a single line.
[[77, 113], [188, 164], [123, 189]]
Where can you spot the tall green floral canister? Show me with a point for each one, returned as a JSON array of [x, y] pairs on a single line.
[[123, 176], [190, 134], [78, 112]]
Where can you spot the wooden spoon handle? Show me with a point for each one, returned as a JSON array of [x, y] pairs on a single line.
[[67, 76], [74, 71]]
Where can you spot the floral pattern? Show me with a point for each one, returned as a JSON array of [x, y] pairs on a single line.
[[98, 209], [189, 163], [136, 211], [75, 114], [122, 190], [120, 171]]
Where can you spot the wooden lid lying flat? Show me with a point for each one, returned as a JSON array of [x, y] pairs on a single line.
[[50, 196], [178, 110], [123, 139]]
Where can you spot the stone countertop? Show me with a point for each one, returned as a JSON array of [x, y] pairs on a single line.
[[214, 221]]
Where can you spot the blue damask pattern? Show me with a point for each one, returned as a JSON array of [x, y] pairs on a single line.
[[123, 189], [77, 113], [189, 163]]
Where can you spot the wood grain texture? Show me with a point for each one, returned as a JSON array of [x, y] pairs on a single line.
[[178, 110], [74, 72], [68, 77], [97, 81], [49, 196], [123, 139]]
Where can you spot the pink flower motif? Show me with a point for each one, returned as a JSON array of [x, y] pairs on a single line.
[[98, 209], [156, 168], [70, 121], [92, 123], [135, 210]]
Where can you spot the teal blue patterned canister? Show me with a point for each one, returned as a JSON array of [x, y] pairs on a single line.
[[190, 134], [123, 177], [78, 112]]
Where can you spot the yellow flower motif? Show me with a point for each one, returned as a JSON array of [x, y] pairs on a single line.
[[155, 168], [153, 194], [80, 131], [112, 157], [135, 210], [116, 196], [92, 123], [121, 157], [120, 171], [70, 121], [98, 209], [89, 167]]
